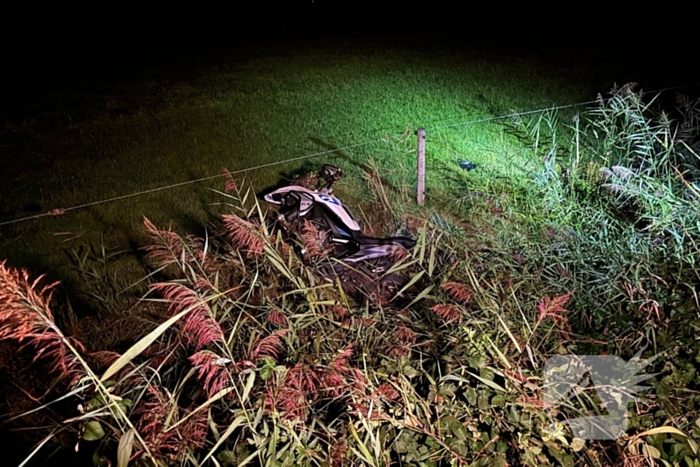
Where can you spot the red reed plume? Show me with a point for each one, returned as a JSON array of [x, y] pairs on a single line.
[[405, 335], [25, 317], [458, 292], [298, 390], [305, 385], [447, 312], [212, 371], [398, 253], [231, 186], [168, 247], [387, 392], [553, 307], [276, 317], [200, 328], [243, 235], [268, 347], [150, 416]]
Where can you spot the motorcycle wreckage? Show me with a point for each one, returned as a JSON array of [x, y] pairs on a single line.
[[362, 263]]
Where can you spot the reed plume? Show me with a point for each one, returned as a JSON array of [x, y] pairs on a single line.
[[25, 317]]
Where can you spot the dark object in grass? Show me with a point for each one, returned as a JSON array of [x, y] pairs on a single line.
[[361, 283], [329, 230], [466, 165]]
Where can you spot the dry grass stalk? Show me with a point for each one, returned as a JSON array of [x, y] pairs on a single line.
[[200, 328], [230, 186], [243, 235], [376, 186], [313, 242], [168, 247]]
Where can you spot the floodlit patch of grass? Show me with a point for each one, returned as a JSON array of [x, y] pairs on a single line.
[[137, 136]]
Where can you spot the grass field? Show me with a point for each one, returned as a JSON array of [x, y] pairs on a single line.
[[265, 105], [577, 232]]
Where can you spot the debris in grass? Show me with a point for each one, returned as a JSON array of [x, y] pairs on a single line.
[[466, 165]]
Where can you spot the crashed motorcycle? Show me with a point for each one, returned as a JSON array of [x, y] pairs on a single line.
[[360, 262]]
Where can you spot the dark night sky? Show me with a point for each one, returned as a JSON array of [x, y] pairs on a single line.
[[45, 48]]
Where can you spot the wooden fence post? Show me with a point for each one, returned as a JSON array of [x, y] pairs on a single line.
[[420, 196]]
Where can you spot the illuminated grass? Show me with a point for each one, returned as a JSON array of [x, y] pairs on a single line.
[[142, 135]]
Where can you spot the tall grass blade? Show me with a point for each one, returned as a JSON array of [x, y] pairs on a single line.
[[431, 261], [421, 296], [503, 358], [413, 280], [248, 387], [366, 455], [136, 349], [42, 407], [281, 267], [422, 242], [238, 421], [397, 267], [126, 446], [37, 448]]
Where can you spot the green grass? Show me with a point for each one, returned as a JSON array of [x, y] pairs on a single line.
[[141, 134]]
